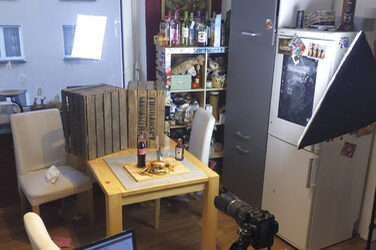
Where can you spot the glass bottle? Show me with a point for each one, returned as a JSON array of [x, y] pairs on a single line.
[[175, 30], [208, 28], [185, 30], [192, 31], [167, 30], [141, 153], [179, 150], [227, 27], [197, 78], [201, 34]]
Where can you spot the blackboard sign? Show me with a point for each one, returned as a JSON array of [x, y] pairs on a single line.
[[297, 89]]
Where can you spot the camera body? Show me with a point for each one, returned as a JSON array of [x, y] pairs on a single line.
[[257, 227]]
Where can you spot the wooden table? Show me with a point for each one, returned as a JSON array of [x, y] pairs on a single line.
[[117, 196]]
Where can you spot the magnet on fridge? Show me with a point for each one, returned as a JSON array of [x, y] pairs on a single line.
[[268, 24], [348, 149], [297, 47], [283, 46], [316, 51], [344, 42]]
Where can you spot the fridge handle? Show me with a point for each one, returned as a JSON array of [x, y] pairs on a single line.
[[241, 149], [241, 135], [251, 34], [308, 182]]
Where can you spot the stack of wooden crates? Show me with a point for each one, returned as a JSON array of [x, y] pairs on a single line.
[[95, 120], [103, 119]]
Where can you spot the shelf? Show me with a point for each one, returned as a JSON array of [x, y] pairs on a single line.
[[180, 126], [216, 155], [215, 89], [186, 90], [193, 50], [196, 90]]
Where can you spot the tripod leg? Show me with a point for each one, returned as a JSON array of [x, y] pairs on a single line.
[[371, 224]]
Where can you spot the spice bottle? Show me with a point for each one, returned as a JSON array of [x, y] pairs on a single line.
[[141, 153], [179, 150]]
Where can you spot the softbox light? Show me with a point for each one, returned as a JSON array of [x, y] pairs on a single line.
[[349, 102]]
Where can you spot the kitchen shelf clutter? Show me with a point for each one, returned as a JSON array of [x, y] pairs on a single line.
[[194, 77]]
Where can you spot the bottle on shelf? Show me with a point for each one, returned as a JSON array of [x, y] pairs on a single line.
[[185, 30], [227, 27], [141, 152], [208, 28], [192, 31], [175, 26], [179, 150], [201, 33], [167, 29], [197, 78]]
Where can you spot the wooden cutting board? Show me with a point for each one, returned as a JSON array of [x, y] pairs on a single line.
[[136, 172]]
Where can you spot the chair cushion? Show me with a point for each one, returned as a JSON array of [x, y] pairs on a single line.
[[39, 191]]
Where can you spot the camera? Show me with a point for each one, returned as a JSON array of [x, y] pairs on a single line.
[[257, 227]]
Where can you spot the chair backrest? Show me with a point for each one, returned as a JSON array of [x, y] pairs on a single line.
[[37, 232], [202, 130], [38, 140]]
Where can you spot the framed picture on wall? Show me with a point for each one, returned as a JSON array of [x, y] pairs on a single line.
[[185, 5]]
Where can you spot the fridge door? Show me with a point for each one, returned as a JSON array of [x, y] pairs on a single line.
[[289, 186], [250, 19], [340, 185], [297, 89]]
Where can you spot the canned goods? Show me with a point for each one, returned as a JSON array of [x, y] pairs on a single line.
[[299, 19]]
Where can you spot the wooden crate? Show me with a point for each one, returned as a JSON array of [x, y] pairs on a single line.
[[95, 120], [146, 111]]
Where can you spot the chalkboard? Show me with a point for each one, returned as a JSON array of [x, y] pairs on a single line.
[[297, 89]]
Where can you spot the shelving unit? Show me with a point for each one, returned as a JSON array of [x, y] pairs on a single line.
[[166, 58]]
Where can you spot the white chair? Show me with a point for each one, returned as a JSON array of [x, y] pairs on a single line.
[[39, 143], [202, 131], [37, 233]]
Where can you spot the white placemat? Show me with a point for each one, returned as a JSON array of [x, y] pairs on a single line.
[[116, 164]]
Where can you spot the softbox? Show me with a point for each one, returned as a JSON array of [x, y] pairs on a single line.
[[349, 102]]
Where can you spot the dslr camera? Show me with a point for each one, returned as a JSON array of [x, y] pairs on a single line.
[[257, 227]]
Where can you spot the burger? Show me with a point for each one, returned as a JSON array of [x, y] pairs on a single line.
[[160, 167]]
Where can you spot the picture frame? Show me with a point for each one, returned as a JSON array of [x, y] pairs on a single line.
[[185, 5]]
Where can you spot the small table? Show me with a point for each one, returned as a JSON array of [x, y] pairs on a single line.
[[117, 196]]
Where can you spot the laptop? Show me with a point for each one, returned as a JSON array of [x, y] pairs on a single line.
[[125, 240]]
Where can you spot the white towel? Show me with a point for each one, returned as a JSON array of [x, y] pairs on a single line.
[[52, 174]]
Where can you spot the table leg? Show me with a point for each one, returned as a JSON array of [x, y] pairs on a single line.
[[114, 214], [209, 214]]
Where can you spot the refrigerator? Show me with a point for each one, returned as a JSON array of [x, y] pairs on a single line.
[[315, 193]]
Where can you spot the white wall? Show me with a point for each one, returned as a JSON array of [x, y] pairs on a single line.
[[364, 8], [226, 5], [45, 68]]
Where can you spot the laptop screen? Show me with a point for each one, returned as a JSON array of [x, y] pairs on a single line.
[[122, 241]]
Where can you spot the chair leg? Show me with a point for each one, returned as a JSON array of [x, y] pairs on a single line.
[[35, 209], [90, 206], [22, 200], [157, 213]]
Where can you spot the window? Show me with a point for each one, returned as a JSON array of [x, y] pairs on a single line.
[[68, 34], [11, 43]]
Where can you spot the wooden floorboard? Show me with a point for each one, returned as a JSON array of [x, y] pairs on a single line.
[[179, 227]]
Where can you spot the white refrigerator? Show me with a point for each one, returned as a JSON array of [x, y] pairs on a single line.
[[315, 193]]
